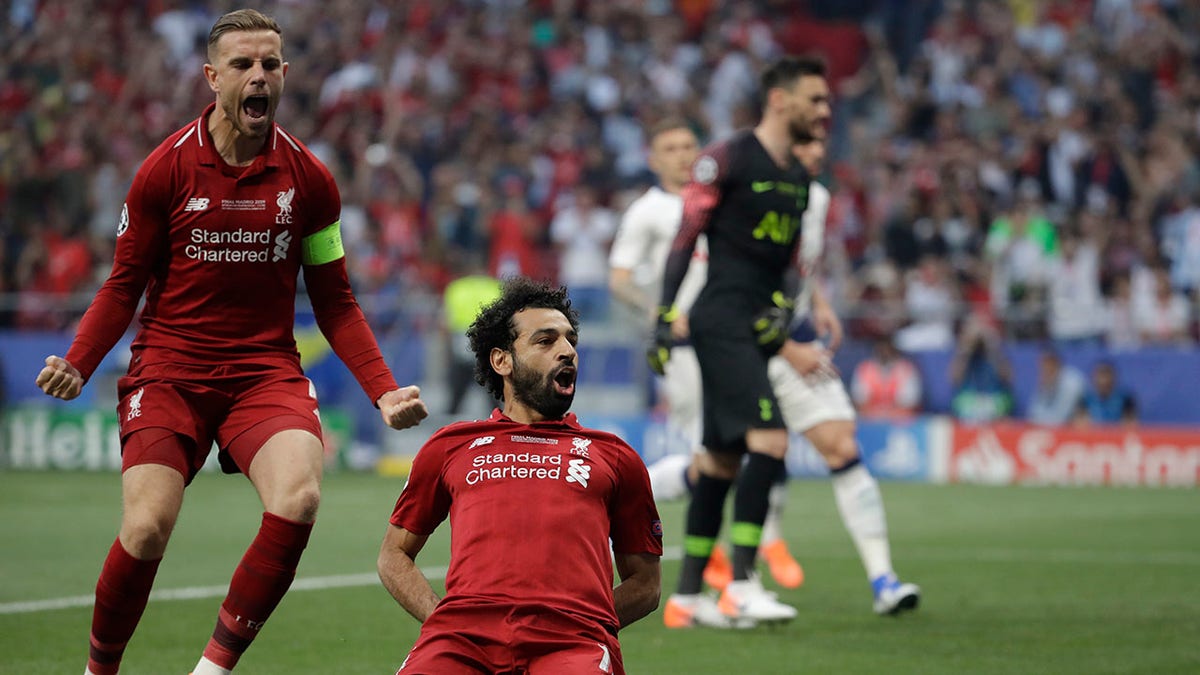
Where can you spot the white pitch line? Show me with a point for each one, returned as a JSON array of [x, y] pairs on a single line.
[[669, 553], [202, 592]]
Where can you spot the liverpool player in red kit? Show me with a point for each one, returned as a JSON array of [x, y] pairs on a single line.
[[533, 499], [219, 221]]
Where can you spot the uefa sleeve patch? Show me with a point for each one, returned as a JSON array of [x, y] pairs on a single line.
[[656, 528], [323, 246], [705, 170]]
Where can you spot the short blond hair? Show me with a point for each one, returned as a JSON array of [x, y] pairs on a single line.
[[239, 20]]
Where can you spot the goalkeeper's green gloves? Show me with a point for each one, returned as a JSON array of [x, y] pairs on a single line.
[[661, 341], [771, 324]]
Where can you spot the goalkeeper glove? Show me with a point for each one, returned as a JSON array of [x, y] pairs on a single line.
[[661, 341], [771, 325]]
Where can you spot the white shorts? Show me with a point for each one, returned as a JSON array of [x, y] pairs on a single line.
[[807, 402], [681, 384]]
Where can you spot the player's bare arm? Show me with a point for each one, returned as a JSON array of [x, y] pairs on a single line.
[[810, 359], [621, 283], [400, 575], [825, 320], [402, 408], [640, 589], [60, 379]]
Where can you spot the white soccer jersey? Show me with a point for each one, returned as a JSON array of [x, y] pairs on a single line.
[[644, 239], [812, 241]]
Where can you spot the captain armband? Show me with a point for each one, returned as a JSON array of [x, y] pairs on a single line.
[[323, 246]]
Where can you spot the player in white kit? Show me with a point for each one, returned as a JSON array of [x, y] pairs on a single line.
[[814, 402]]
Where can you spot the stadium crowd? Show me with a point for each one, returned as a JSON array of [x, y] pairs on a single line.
[[1030, 163]]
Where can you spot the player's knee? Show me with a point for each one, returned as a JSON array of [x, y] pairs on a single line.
[[306, 502], [145, 535], [718, 465], [843, 451], [299, 503]]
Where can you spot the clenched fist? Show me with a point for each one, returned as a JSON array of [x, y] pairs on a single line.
[[402, 408], [60, 379]]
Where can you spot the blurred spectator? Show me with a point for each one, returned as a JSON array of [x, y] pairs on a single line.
[[1165, 317], [980, 375], [514, 234], [1105, 402], [931, 298], [1075, 315], [583, 232], [461, 302], [1121, 332], [886, 384], [1058, 393], [880, 302], [1181, 243], [1021, 242]]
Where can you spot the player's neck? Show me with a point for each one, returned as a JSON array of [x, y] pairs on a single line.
[[775, 138], [671, 188], [233, 147], [521, 413]]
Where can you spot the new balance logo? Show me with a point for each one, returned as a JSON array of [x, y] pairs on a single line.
[[578, 472], [482, 440], [196, 204], [283, 240]]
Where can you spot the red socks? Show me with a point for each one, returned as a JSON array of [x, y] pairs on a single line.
[[121, 595], [259, 583]]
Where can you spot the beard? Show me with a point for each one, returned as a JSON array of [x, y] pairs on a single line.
[[536, 390], [803, 132]]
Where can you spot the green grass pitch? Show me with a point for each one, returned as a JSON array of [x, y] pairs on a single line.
[[1015, 580]]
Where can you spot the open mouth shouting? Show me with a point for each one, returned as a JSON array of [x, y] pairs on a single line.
[[255, 107], [564, 381]]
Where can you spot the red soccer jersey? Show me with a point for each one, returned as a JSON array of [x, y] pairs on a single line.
[[532, 509], [217, 250]]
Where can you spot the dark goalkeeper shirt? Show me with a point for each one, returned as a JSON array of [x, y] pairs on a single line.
[[750, 210]]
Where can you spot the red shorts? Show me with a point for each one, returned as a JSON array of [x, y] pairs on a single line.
[[488, 639], [238, 406]]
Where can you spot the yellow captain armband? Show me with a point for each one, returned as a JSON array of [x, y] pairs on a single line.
[[323, 246]]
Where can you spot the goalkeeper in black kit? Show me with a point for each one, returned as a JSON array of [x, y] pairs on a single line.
[[747, 196]]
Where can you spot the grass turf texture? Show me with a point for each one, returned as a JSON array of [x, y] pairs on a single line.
[[1015, 580]]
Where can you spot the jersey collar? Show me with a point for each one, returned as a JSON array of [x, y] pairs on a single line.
[[569, 420]]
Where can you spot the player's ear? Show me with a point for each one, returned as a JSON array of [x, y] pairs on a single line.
[[501, 360], [210, 76]]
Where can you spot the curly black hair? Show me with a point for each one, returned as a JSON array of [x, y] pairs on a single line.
[[494, 326]]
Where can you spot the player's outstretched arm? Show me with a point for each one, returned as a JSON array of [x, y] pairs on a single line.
[[640, 589], [402, 408], [60, 379], [400, 575]]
